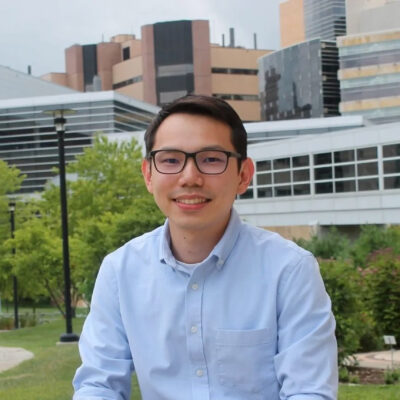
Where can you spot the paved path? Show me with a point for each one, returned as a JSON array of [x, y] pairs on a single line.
[[10, 357], [380, 359]]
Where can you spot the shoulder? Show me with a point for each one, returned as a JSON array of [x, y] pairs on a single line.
[[271, 241], [273, 248]]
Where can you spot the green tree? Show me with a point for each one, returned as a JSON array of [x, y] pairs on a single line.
[[381, 279], [332, 245], [374, 238], [10, 182], [353, 321], [108, 204]]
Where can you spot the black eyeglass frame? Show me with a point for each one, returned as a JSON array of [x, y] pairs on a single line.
[[228, 154]]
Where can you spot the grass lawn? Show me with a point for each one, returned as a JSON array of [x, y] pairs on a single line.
[[49, 374]]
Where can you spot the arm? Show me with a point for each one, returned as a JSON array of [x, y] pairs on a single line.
[[107, 364], [306, 363]]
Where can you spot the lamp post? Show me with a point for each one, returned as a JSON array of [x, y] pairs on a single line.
[[59, 122], [11, 209]]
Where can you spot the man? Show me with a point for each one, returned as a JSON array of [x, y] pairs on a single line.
[[206, 307]]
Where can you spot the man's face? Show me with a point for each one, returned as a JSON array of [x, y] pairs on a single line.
[[194, 201]]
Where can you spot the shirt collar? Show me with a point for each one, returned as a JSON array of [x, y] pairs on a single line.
[[220, 252]]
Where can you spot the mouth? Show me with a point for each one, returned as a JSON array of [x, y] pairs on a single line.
[[192, 201]]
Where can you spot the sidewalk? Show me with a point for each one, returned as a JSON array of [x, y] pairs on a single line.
[[379, 359], [10, 357]]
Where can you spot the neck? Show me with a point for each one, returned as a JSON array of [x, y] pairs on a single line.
[[193, 246]]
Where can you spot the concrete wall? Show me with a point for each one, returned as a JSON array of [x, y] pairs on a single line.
[[291, 20], [108, 54], [363, 16], [149, 72], [201, 57], [74, 67]]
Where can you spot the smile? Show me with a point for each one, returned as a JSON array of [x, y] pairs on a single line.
[[191, 201]]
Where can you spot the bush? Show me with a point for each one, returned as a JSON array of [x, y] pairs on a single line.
[[391, 376], [382, 290], [332, 245], [352, 321]]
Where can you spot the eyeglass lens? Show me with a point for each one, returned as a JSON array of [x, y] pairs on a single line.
[[208, 161]]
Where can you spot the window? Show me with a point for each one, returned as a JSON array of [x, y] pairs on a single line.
[[392, 150], [345, 186], [301, 189], [282, 177], [391, 167], [325, 187], [344, 171], [264, 192], [343, 156], [323, 173], [282, 163], [392, 182], [301, 161], [368, 184], [367, 169], [367, 153], [281, 191], [322, 158], [263, 165], [301, 175], [126, 53], [264, 179]]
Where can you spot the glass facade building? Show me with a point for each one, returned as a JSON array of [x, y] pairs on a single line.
[[324, 19], [300, 81], [28, 139], [370, 75], [326, 170]]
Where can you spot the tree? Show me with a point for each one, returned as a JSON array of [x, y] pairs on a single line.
[[332, 245], [108, 204], [10, 181]]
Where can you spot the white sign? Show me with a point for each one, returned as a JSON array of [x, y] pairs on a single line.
[[389, 340]]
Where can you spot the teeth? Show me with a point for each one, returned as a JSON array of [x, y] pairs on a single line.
[[191, 201]]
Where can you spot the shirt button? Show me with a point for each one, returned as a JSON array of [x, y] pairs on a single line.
[[193, 329], [195, 286], [199, 373]]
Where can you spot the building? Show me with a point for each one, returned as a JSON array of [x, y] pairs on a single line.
[[302, 20], [291, 18], [277, 130], [170, 60], [344, 178], [28, 139], [300, 81], [370, 75], [15, 84], [365, 16]]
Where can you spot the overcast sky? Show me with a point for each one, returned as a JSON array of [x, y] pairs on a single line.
[[36, 32]]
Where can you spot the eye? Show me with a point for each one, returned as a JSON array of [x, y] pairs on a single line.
[[212, 157]]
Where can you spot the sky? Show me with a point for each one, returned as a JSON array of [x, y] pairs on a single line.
[[36, 32]]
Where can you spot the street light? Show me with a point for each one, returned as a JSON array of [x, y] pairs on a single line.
[[11, 209], [59, 123]]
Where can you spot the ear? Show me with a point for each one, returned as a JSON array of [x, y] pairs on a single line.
[[146, 171], [246, 174]]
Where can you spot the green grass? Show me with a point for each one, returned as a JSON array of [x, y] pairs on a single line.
[[49, 374], [369, 392]]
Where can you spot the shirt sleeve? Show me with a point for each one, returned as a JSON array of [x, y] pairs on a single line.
[[306, 363], [107, 363]]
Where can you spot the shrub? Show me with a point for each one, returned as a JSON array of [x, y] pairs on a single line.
[[382, 290], [352, 321]]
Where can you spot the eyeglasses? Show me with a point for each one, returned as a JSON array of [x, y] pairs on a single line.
[[210, 162]]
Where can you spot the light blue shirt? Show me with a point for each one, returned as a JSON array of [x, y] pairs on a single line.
[[252, 321]]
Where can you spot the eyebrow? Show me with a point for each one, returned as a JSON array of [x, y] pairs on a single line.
[[215, 147]]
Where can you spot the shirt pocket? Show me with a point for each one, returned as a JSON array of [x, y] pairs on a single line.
[[245, 361]]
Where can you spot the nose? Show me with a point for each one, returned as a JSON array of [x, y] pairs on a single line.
[[190, 175]]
